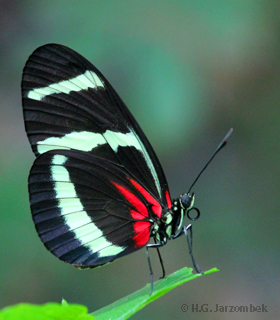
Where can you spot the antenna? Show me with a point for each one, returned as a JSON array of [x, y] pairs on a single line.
[[220, 146]]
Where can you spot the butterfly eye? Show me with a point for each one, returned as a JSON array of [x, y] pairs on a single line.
[[187, 200]]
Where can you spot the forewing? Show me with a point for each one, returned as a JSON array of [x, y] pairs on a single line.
[[68, 104], [87, 210]]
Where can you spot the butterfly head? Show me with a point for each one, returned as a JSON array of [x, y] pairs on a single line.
[[187, 204], [180, 207], [187, 200]]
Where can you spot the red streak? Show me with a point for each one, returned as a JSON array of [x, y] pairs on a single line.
[[168, 199], [156, 206], [136, 215], [143, 211], [142, 230]]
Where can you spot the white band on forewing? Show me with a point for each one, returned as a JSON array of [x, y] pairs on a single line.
[[82, 82]]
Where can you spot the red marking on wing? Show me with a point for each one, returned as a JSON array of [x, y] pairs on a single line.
[[168, 199], [156, 206], [142, 230], [141, 208], [136, 215]]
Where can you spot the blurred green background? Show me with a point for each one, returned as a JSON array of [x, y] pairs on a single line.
[[188, 71]]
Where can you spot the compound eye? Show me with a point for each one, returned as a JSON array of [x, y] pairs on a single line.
[[187, 200]]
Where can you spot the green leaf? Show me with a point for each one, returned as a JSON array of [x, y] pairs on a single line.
[[127, 306], [48, 311], [121, 309]]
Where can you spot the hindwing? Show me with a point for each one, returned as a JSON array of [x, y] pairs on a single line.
[[87, 210]]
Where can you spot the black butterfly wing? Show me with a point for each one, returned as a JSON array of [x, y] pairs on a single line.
[[96, 186], [87, 210], [68, 104]]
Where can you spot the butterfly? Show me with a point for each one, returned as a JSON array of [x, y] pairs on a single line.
[[97, 189]]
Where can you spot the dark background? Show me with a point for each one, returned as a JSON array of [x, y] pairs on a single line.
[[188, 71]]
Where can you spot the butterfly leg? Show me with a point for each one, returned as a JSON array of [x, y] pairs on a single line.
[[187, 230], [189, 235], [161, 261], [156, 245]]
